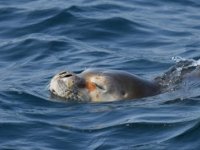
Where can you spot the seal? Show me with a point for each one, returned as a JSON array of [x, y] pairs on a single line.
[[99, 85]]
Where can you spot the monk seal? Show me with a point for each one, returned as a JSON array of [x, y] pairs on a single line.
[[98, 85]]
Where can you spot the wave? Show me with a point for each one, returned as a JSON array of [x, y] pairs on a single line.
[[40, 38]]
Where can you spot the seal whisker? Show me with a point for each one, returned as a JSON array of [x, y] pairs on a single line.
[[48, 85]]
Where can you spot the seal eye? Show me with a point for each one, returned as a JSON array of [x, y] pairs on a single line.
[[99, 86]]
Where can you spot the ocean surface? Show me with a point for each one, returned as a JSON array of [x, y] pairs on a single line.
[[43, 37]]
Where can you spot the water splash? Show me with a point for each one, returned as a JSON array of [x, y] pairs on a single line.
[[178, 59], [172, 79]]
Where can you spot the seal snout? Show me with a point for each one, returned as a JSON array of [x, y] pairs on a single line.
[[68, 85]]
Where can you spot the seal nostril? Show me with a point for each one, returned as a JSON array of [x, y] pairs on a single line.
[[53, 90], [67, 75]]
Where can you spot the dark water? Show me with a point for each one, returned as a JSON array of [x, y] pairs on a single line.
[[42, 37]]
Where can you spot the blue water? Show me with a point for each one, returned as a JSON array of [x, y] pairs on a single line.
[[42, 37]]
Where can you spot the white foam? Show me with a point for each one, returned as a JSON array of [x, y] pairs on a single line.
[[197, 62], [194, 62], [178, 59]]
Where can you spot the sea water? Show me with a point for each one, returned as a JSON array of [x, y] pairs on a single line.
[[42, 37]]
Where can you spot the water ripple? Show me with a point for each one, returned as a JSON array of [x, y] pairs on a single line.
[[40, 38]]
